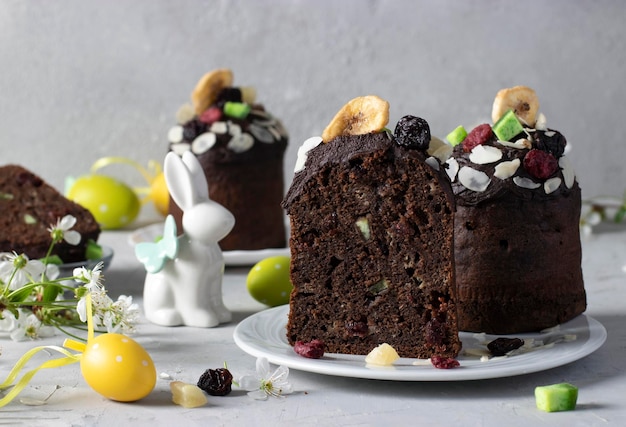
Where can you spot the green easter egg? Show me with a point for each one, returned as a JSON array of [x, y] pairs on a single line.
[[268, 281], [112, 203]]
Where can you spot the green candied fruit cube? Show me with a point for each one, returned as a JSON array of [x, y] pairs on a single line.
[[456, 136], [556, 397], [238, 110], [508, 126]]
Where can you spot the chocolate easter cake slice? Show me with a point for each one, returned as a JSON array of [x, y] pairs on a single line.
[[29, 207], [372, 238]]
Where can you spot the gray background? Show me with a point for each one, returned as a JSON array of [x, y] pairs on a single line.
[[84, 79]]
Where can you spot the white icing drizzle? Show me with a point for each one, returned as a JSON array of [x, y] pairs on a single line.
[[303, 151], [452, 169], [568, 171]]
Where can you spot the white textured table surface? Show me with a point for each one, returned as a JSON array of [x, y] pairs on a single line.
[[184, 353]]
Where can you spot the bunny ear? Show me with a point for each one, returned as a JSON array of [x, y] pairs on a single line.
[[197, 174], [179, 181]]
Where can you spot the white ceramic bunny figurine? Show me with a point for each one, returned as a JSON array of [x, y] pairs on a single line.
[[186, 289]]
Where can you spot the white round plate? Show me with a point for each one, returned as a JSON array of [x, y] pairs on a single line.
[[263, 335], [150, 232]]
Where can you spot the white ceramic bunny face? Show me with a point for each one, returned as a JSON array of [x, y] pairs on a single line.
[[187, 288]]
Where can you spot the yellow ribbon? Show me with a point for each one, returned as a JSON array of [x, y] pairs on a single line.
[[154, 169], [54, 363]]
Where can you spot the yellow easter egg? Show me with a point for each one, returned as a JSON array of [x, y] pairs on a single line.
[[112, 203], [160, 195], [268, 281], [118, 368]]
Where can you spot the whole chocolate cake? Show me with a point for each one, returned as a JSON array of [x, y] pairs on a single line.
[[372, 238], [517, 241], [240, 147], [29, 208]]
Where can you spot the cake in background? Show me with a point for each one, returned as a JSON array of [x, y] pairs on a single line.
[[30, 207], [241, 148], [372, 238], [517, 239]]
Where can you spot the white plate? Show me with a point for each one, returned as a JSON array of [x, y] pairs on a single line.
[[263, 335], [150, 232]]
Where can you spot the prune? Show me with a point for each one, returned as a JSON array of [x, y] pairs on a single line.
[[311, 350], [441, 362], [435, 332], [551, 141], [230, 94], [216, 382], [501, 346], [477, 136], [413, 132], [540, 164], [192, 129], [357, 328]]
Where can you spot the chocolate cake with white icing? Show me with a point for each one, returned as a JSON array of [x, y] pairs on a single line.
[[240, 147], [517, 240], [372, 238]]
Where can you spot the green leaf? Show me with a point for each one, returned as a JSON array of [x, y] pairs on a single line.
[[50, 292], [93, 251], [620, 214]]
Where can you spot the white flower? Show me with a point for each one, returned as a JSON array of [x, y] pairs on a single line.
[[17, 270], [266, 383], [61, 231], [91, 278], [113, 316], [8, 322], [30, 327]]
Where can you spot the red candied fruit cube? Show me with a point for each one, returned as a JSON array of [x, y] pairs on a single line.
[[540, 164], [211, 115], [479, 135]]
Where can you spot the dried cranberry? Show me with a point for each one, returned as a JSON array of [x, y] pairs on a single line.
[[501, 346], [540, 164], [441, 362], [211, 115], [478, 136], [216, 382], [551, 141], [413, 132], [311, 350]]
